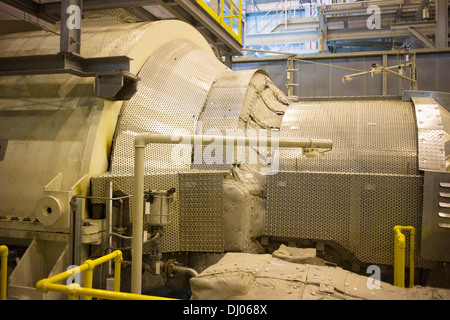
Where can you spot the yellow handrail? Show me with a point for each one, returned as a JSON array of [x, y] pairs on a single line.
[[74, 290], [399, 256], [220, 18], [3, 271]]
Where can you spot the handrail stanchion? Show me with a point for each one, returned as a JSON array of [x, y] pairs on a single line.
[[399, 256], [3, 271]]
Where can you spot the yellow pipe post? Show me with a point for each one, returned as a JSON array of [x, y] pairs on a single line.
[[88, 277], [117, 272], [231, 14], [222, 8], [3, 271], [399, 256]]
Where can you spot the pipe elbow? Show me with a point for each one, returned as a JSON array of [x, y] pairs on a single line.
[[41, 286], [189, 271], [119, 256], [141, 140], [90, 263], [3, 251]]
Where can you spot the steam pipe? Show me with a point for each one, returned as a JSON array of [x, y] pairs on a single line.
[[142, 139], [189, 271]]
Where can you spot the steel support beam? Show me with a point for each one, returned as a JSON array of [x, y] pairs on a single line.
[[70, 34], [442, 23], [30, 7], [62, 63], [76, 209], [32, 18], [112, 79], [55, 7], [422, 37]]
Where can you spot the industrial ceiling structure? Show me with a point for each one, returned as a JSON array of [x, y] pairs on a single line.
[[342, 27], [45, 14]]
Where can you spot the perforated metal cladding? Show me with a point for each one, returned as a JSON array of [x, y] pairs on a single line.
[[243, 103], [365, 185], [220, 115], [174, 85], [201, 211], [368, 136]]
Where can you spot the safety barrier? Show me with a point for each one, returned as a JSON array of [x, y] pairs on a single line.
[[3, 271], [221, 19], [74, 290], [399, 256]]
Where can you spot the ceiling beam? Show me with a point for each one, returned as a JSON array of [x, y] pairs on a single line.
[[55, 7], [30, 7]]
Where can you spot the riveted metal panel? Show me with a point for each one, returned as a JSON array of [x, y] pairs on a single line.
[[430, 134]]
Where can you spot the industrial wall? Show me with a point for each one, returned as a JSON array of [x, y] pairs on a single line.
[[318, 80]]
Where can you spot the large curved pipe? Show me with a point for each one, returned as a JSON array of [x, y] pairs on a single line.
[[141, 140]]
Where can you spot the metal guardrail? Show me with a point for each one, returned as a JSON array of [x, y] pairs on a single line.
[[74, 290], [3, 271], [399, 256], [221, 17]]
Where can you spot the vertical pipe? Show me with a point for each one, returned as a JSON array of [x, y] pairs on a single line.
[[384, 76], [88, 278], [138, 217], [399, 259], [411, 259], [442, 23], [413, 69], [117, 271], [76, 207], [3, 269], [109, 208], [399, 256]]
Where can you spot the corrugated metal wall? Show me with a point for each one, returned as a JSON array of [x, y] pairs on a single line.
[[316, 80]]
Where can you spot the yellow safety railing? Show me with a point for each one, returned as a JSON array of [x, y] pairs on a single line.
[[74, 290], [235, 12], [399, 256], [3, 272]]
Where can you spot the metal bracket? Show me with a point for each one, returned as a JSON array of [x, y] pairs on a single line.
[[116, 85], [113, 81]]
